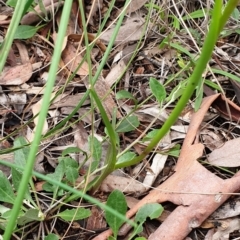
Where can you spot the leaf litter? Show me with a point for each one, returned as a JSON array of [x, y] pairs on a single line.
[[187, 180]]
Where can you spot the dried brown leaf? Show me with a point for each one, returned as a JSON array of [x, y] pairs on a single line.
[[135, 5], [16, 75], [228, 155], [72, 59], [131, 30]]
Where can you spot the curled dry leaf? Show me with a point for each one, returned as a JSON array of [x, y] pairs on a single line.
[[72, 59]]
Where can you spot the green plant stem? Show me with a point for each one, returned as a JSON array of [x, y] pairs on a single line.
[[112, 149], [215, 28], [231, 4], [43, 113], [17, 15]]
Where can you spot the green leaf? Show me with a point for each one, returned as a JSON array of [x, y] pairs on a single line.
[[20, 155], [16, 178], [117, 201], [152, 210], [127, 156], [6, 215], [181, 49], [235, 14], [196, 14], [123, 94], [227, 74], [175, 151], [74, 214], [51, 236], [177, 91], [12, 3], [70, 167], [30, 216], [212, 84], [68, 162], [25, 31], [6, 191], [72, 174], [95, 148], [150, 135], [71, 150], [57, 175], [3, 209], [111, 238], [157, 89], [128, 124]]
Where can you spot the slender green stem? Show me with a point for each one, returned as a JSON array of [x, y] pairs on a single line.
[[112, 149], [216, 26], [5, 48], [46, 99], [231, 4]]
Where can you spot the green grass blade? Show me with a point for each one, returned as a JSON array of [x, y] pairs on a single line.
[[17, 15]]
